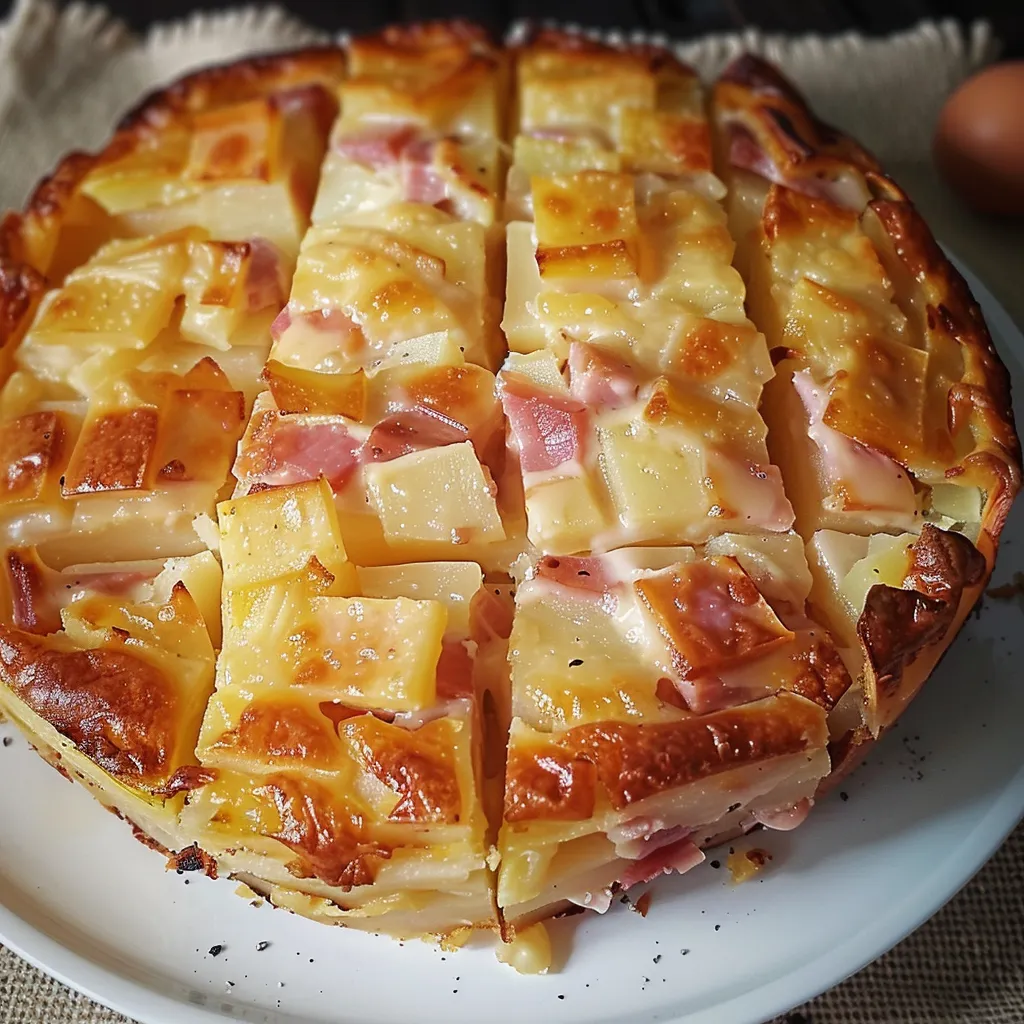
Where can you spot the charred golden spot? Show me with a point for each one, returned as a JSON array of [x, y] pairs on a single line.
[[740, 627], [604, 219], [415, 764], [30, 448], [558, 205], [229, 261], [187, 778], [551, 785], [192, 858], [21, 287], [326, 838], [113, 452], [284, 731], [707, 350], [400, 297], [228, 153], [118, 710], [823, 677]]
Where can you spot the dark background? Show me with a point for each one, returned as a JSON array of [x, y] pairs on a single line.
[[678, 18]]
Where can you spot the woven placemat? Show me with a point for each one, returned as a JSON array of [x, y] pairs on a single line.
[[76, 71]]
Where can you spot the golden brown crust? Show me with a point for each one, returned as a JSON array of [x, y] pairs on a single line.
[[574, 46], [769, 130], [117, 709], [224, 84], [980, 402], [324, 837], [633, 762], [898, 625]]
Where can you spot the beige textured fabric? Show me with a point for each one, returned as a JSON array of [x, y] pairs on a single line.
[[65, 79]]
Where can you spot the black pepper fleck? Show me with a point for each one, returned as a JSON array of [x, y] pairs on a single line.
[[8, 740], [718, 927], [844, 796], [216, 950], [657, 959], [575, 663], [716, 864], [260, 946]]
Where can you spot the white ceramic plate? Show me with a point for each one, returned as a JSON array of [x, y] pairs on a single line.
[[84, 901]]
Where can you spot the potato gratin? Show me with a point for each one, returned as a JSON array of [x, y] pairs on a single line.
[[443, 486]]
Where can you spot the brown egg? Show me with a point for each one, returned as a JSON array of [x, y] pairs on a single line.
[[979, 141]]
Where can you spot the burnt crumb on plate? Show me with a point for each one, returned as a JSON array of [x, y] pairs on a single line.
[[1008, 591]]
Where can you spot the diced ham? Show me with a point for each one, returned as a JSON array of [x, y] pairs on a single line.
[[422, 180], [335, 323], [866, 479], [266, 283], [281, 323], [455, 671], [785, 819], [376, 147], [411, 431], [490, 615], [38, 593], [680, 856], [600, 379], [747, 153], [287, 450], [549, 429], [324, 340], [588, 576]]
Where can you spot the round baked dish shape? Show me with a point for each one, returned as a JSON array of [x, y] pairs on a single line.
[[447, 486]]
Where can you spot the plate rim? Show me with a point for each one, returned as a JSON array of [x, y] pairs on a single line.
[[138, 1001]]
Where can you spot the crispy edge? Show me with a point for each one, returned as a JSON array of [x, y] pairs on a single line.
[[904, 631], [755, 96], [983, 393], [223, 84], [574, 45]]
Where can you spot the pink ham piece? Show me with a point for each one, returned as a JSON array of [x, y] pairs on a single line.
[[410, 431], [38, 593], [586, 575], [600, 379], [747, 153], [287, 450], [680, 856], [867, 478], [266, 283], [549, 429], [377, 147], [785, 819], [422, 180]]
